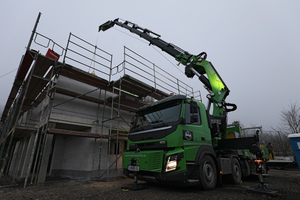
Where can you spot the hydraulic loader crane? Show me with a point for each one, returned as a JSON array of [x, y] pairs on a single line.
[[194, 65], [177, 140]]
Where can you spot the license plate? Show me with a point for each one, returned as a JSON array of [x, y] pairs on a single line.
[[133, 168]]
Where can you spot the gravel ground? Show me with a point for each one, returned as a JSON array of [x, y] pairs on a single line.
[[285, 182]]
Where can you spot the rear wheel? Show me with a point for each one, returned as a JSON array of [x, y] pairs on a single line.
[[236, 175], [207, 173]]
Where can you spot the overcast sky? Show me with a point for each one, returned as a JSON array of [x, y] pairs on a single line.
[[254, 45]]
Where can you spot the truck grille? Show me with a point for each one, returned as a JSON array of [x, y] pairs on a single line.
[[156, 161]]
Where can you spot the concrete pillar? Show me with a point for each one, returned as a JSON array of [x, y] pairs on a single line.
[[28, 155], [15, 167], [24, 144], [45, 159], [14, 159]]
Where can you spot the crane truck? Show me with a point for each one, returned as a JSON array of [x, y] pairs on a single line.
[[178, 140]]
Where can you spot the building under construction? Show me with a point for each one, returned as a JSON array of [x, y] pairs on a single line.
[[69, 110]]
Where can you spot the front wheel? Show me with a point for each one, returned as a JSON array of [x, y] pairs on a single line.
[[207, 173]]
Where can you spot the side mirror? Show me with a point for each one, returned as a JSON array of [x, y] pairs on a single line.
[[133, 119]]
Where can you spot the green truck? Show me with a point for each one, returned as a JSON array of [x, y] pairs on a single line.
[[179, 140]]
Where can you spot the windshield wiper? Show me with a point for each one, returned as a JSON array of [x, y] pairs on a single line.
[[157, 122]]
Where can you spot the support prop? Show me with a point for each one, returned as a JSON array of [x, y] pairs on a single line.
[[135, 186]]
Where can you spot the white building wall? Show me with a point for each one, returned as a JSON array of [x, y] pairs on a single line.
[[75, 156]]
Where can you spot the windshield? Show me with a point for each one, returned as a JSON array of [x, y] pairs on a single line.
[[158, 115]]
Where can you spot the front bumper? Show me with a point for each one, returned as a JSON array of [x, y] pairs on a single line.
[[175, 178]]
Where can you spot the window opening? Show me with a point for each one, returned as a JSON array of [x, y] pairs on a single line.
[[192, 118]]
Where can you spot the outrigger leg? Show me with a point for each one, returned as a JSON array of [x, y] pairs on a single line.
[[135, 186], [135, 178], [262, 187]]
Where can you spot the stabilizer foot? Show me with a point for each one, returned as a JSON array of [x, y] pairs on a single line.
[[134, 187], [263, 188]]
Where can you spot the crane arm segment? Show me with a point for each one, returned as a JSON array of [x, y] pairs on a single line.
[[194, 64]]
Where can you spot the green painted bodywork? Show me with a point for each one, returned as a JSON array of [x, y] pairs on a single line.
[[246, 152], [155, 160], [147, 160], [219, 89]]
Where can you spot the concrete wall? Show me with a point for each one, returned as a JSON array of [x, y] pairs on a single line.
[[70, 110], [37, 116], [75, 156], [78, 157]]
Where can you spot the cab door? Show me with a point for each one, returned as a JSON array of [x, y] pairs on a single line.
[[193, 132]]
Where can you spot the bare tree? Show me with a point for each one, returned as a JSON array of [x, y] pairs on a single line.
[[290, 123], [291, 118]]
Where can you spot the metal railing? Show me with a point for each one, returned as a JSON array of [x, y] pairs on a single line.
[[148, 72], [46, 42], [96, 60], [90, 58]]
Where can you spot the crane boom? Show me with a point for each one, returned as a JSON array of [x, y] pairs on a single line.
[[194, 64]]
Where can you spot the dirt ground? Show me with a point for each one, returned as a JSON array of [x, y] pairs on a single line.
[[285, 182]]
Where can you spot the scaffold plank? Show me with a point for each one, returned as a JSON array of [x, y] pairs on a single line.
[[78, 95], [42, 65], [139, 88], [36, 85], [126, 102], [82, 76], [25, 64], [74, 133], [22, 132]]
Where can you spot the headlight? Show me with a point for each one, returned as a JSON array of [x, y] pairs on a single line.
[[171, 163]]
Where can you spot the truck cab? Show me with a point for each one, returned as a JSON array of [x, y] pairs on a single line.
[[167, 139]]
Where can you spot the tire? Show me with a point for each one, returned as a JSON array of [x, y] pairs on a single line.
[[236, 175], [207, 173]]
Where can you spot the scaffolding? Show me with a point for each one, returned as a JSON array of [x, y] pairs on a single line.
[[34, 80], [117, 91]]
